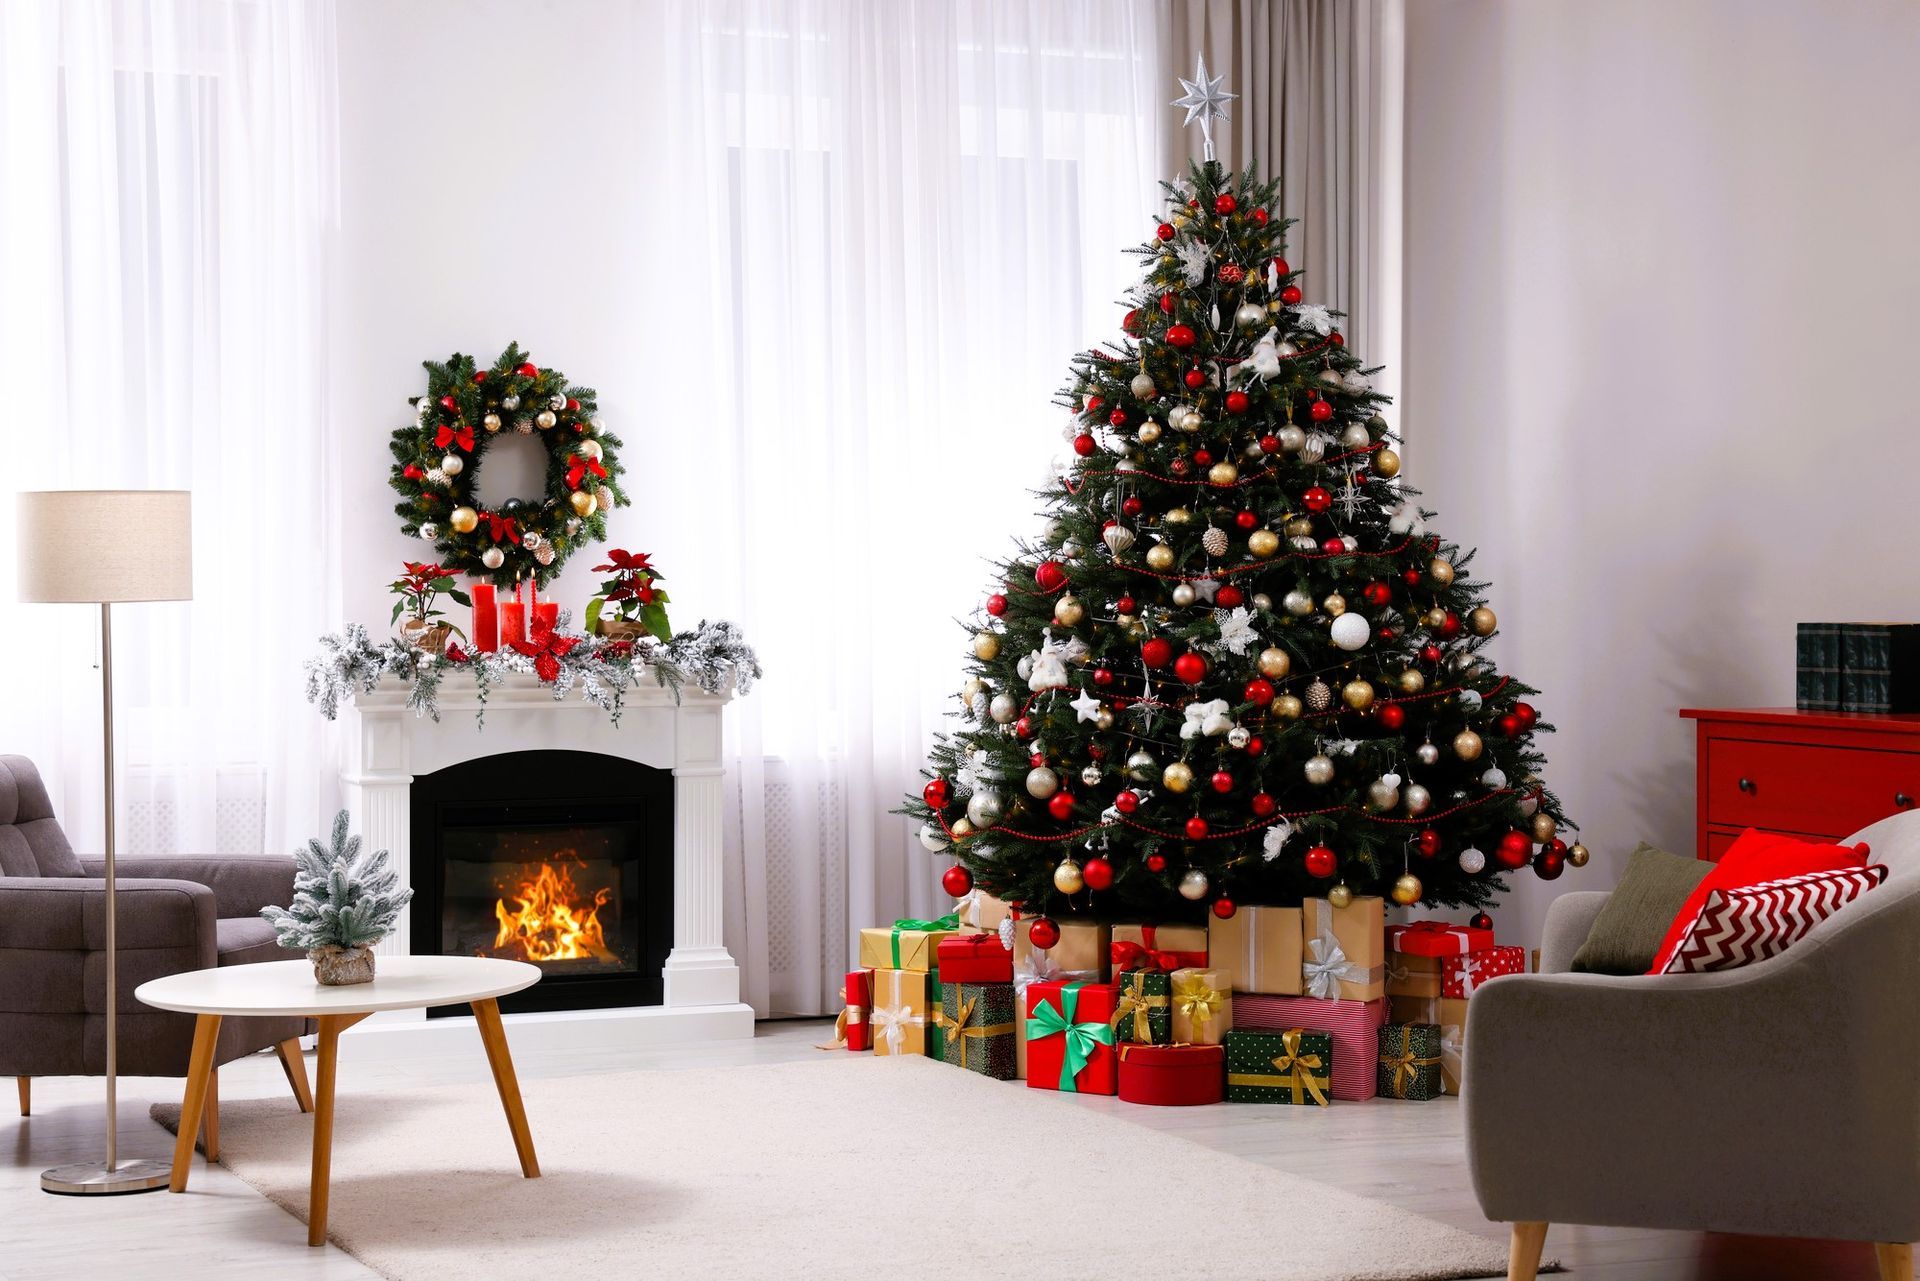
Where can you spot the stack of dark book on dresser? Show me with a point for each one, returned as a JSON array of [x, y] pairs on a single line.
[[1858, 667]]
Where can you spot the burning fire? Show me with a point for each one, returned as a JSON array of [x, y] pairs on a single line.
[[549, 921]]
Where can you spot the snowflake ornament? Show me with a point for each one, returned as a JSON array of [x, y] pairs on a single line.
[[1236, 630], [1311, 315], [1194, 257]]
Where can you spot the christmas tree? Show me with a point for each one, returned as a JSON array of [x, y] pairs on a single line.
[[1237, 665]]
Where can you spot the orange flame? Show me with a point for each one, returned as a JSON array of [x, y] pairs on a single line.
[[549, 921]]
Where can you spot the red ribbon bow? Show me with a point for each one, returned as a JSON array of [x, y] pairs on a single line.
[[1128, 955], [502, 527], [579, 466], [459, 434]]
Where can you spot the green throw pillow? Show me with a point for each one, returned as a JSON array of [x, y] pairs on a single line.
[[1626, 935]]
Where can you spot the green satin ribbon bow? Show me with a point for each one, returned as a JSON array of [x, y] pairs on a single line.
[[1081, 1038], [951, 921]]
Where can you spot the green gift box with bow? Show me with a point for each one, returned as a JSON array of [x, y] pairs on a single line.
[[977, 1022], [1294, 1066], [1143, 1014], [1410, 1061]]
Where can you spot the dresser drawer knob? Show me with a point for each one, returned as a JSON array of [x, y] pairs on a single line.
[[1746, 785], [1902, 801]]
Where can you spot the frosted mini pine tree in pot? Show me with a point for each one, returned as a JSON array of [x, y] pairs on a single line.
[[343, 903]]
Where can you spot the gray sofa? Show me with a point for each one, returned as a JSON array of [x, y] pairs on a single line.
[[174, 914], [1778, 1099]]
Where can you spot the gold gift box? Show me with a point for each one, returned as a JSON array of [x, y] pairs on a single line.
[[1257, 949], [1360, 928], [1202, 1007], [900, 1002], [918, 949]]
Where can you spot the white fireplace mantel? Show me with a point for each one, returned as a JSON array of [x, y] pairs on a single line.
[[389, 746]]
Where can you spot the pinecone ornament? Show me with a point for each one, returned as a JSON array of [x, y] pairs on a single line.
[[1319, 696], [1214, 541]]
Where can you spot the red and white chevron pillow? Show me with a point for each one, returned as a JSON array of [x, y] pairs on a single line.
[[1736, 927]]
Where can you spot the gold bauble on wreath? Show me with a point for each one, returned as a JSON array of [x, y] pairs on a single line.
[[582, 503], [1408, 889], [463, 520]]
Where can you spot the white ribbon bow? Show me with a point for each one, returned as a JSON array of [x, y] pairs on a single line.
[[1326, 965], [1040, 967], [892, 1023]]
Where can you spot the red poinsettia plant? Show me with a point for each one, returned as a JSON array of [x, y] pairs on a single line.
[[632, 595], [419, 586]]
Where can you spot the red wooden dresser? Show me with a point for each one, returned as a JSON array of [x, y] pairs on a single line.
[[1822, 774]]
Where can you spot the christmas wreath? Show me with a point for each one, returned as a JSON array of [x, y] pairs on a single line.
[[436, 460]]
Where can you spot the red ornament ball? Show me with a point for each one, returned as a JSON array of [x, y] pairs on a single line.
[[957, 881], [1103, 676], [1334, 546], [413, 472], [1428, 843], [1316, 499], [996, 604], [1043, 933], [1237, 402], [1203, 458], [1118, 418], [1376, 593], [1336, 339], [1322, 862], [1222, 781], [1510, 725], [1228, 596], [1126, 605], [1049, 577], [1023, 728], [528, 369], [1269, 444], [1164, 231], [1411, 577], [1131, 322], [1320, 411], [1224, 203], [1223, 907], [1179, 467], [1246, 519], [1181, 336], [1291, 295], [937, 794], [1259, 691], [1084, 445], [1190, 667], [1156, 651], [1097, 872], [1551, 861], [1093, 407], [1528, 717], [1196, 828], [1196, 378], [1259, 217], [1514, 850], [1167, 303], [1132, 505], [1450, 626], [1231, 273], [1037, 759], [1480, 921], [1127, 801], [1263, 804], [1060, 804], [573, 406], [1391, 716], [449, 404], [1256, 745], [1430, 653], [1156, 862], [479, 376]]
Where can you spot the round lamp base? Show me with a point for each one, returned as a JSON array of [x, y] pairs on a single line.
[[93, 1178]]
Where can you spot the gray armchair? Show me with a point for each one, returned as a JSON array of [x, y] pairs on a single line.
[[1777, 1099], [174, 914]]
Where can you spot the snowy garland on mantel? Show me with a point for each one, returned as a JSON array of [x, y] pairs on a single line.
[[713, 657]]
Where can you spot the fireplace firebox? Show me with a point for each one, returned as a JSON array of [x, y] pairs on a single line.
[[560, 858]]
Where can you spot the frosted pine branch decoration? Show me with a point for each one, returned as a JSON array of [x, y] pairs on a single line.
[[343, 903]]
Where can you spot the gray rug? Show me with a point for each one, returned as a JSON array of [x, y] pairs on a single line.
[[852, 1166]]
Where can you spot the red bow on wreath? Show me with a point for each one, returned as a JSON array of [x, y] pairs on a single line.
[[461, 435], [578, 467], [501, 527]]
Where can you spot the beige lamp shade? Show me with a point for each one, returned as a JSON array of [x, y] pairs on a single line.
[[93, 545]]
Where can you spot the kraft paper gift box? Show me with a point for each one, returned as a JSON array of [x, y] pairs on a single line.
[[1257, 949], [1084, 947], [1144, 1013], [978, 1021], [1451, 1018], [1289, 1066], [1158, 947], [905, 945], [1344, 949], [1410, 1061], [1353, 1025], [1415, 976], [902, 1010], [981, 911], [1035, 966], [1069, 1039], [1202, 1007]]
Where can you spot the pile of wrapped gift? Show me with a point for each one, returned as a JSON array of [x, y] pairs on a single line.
[[1271, 1005]]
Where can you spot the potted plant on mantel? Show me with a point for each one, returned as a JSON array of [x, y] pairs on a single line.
[[343, 904], [417, 589], [629, 605]]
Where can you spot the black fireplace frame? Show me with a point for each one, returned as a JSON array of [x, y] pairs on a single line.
[[592, 788]]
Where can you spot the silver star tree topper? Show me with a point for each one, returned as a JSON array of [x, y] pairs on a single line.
[[1205, 101]]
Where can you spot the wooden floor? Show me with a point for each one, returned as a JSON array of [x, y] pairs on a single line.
[[1410, 1155]]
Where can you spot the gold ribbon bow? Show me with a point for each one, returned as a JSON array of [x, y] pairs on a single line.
[[1135, 1001], [1404, 1061], [1300, 1073], [957, 1027], [1196, 1001], [848, 1014]]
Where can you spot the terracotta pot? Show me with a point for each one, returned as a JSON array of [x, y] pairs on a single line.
[[619, 629], [431, 637], [341, 966]]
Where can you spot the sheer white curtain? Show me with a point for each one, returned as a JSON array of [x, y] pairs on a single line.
[[167, 187], [884, 229]]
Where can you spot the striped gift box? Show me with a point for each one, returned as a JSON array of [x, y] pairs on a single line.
[[1353, 1025]]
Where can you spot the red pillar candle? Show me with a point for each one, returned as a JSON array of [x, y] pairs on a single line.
[[486, 619], [546, 614], [513, 620]]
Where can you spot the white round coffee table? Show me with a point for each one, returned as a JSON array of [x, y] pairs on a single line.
[[288, 988]]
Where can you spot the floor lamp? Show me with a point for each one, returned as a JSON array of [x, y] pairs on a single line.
[[102, 547]]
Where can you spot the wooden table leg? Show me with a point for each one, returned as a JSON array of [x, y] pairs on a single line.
[[494, 1036], [210, 1119], [206, 1031], [295, 1067], [26, 1094]]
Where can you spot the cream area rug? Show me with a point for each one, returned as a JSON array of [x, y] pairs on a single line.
[[852, 1166]]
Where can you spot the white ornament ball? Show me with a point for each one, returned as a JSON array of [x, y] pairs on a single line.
[[493, 558], [1090, 775], [491, 422], [452, 465], [1042, 782], [1470, 700], [933, 838], [1382, 796], [1495, 778], [589, 449], [1142, 386], [1349, 631], [1330, 377], [531, 540], [1357, 383], [1472, 861], [429, 531], [1194, 885], [1427, 754], [1355, 437], [1003, 709], [556, 402], [1319, 769], [1183, 595], [1249, 315], [984, 808], [1263, 601], [1418, 799], [510, 403], [1291, 438], [1298, 603], [1024, 668]]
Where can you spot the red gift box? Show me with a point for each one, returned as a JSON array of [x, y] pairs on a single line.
[[975, 958], [1070, 1037], [1173, 1075], [1460, 975], [858, 995], [1353, 1025], [1437, 938], [1151, 947]]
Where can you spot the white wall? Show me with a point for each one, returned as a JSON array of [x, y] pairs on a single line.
[[1662, 284]]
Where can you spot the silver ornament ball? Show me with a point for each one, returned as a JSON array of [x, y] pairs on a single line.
[[1194, 885], [1472, 861]]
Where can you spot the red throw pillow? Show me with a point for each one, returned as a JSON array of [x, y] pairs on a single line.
[[1739, 927], [1755, 857]]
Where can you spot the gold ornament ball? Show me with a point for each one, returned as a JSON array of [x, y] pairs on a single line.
[[1436, 618], [1544, 829], [1482, 621], [1103, 717], [1263, 543], [1340, 895], [1412, 681], [491, 422], [1223, 473], [1067, 611], [1176, 777], [1149, 432], [986, 647], [1067, 878], [1386, 463], [1159, 556], [1287, 708], [1358, 695], [463, 519], [1299, 527], [589, 449], [962, 828], [583, 503], [1335, 604], [1440, 570], [1275, 662], [1179, 516], [1578, 855], [1467, 745], [1408, 889]]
